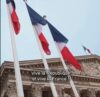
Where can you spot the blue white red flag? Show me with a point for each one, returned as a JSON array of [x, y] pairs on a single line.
[[60, 39], [38, 22], [86, 49], [12, 11], [61, 43]]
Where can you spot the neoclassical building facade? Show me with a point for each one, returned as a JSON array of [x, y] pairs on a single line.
[[35, 81]]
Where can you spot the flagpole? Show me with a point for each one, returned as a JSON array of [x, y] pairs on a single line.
[[69, 76], [52, 85], [20, 92]]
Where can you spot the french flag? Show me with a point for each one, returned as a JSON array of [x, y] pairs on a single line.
[[15, 21], [86, 49], [38, 22], [61, 43]]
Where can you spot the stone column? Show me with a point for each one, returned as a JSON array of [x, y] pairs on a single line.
[[33, 91], [36, 91], [59, 91], [92, 93], [11, 90]]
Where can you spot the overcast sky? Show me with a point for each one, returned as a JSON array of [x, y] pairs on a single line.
[[78, 20]]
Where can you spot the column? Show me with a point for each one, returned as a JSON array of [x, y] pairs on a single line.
[[59, 91], [36, 91], [92, 93], [11, 90]]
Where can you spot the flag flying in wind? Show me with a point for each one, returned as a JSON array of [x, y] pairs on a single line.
[[86, 49], [15, 21], [61, 43], [38, 22]]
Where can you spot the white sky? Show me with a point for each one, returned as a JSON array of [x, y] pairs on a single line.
[[78, 20]]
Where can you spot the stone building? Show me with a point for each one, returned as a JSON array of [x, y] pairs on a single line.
[[87, 81]]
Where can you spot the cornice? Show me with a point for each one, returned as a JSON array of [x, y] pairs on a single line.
[[28, 65]]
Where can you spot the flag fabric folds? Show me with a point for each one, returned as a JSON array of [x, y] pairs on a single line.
[[57, 36], [38, 22], [12, 11], [86, 49], [35, 17], [61, 43]]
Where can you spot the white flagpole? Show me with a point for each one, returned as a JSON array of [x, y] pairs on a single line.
[[52, 85], [20, 92], [66, 69]]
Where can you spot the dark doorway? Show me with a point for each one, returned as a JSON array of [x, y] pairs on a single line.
[[27, 91], [5, 96], [98, 94], [84, 93], [47, 93]]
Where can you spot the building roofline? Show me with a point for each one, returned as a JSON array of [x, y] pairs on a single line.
[[39, 61]]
